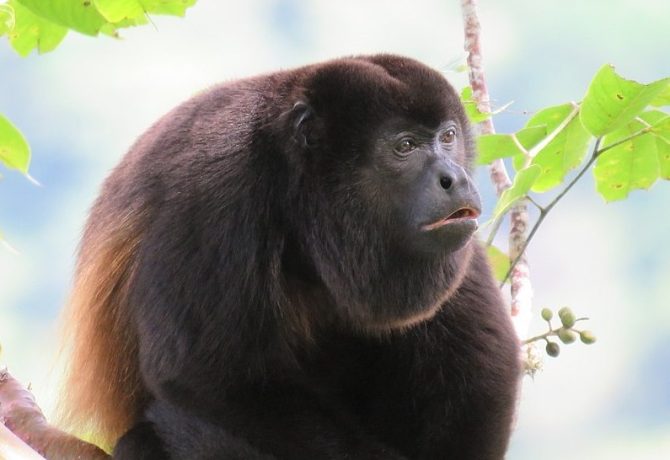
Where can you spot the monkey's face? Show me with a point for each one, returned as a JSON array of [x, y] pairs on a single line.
[[417, 174], [391, 204]]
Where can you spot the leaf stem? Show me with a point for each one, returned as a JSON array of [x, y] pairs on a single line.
[[544, 210], [537, 205], [516, 260], [494, 231], [537, 338], [623, 141], [552, 135]]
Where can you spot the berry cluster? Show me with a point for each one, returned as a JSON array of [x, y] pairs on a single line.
[[566, 333]]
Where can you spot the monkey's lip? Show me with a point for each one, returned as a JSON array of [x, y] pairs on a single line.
[[464, 214]]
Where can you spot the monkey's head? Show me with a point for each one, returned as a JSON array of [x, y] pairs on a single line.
[[386, 208]]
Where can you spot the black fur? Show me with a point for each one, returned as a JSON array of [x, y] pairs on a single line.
[[286, 302]]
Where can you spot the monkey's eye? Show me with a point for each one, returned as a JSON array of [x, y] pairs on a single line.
[[405, 146], [449, 136]]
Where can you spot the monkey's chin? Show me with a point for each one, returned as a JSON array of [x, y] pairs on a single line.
[[452, 229], [445, 239], [463, 216], [401, 324]]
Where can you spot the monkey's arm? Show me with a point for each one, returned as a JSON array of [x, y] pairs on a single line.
[[254, 423], [225, 393]]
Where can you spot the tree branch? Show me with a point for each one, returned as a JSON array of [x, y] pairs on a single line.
[[521, 288], [13, 448], [22, 416]]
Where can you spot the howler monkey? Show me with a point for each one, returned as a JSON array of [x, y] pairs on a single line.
[[283, 268]]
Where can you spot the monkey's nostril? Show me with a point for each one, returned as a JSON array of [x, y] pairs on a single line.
[[446, 182]]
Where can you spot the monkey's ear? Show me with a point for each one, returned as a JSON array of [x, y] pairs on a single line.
[[303, 123]]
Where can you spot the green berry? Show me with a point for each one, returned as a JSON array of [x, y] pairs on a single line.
[[547, 314], [567, 317], [553, 349], [566, 335], [587, 337]]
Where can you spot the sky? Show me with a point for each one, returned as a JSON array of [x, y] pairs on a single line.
[[83, 105]]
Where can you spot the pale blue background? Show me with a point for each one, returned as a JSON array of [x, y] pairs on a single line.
[[83, 105]]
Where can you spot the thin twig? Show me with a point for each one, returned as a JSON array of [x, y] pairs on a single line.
[[539, 337], [624, 140], [522, 251], [597, 151], [535, 203], [555, 132], [494, 231], [545, 210]]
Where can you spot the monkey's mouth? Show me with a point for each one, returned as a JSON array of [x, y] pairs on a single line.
[[464, 214]]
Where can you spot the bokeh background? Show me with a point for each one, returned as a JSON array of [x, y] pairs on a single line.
[[83, 105]]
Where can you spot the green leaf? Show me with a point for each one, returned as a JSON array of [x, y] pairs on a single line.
[[662, 99], [91, 17], [14, 150], [660, 128], [630, 165], [6, 19], [471, 109], [172, 7], [118, 10], [79, 15], [523, 181], [659, 122], [33, 32], [530, 136], [611, 101], [112, 29], [656, 119], [562, 150], [663, 150], [494, 146], [500, 262]]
